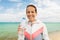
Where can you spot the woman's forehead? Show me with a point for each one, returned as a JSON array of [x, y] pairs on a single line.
[[30, 8]]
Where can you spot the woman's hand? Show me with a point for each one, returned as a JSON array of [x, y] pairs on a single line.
[[20, 30]]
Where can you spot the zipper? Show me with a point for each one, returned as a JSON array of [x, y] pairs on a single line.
[[31, 32]]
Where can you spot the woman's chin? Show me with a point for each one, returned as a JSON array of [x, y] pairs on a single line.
[[30, 19]]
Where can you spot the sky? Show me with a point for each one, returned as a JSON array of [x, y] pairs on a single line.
[[15, 10]]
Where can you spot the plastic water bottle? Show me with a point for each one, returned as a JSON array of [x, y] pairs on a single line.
[[21, 32]]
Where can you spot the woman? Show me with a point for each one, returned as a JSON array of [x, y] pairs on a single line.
[[32, 29]]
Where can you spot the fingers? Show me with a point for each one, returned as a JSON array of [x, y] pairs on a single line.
[[20, 29]]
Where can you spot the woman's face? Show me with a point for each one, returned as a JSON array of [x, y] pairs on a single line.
[[31, 14]]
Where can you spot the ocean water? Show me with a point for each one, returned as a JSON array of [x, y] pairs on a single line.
[[53, 26], [8, 30]]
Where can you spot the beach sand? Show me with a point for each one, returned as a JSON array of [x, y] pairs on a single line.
[[54, 35]]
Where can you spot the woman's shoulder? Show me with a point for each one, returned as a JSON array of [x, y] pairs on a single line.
[[40, 22]]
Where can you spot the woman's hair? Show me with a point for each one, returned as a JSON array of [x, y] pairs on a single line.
[[32, 6]]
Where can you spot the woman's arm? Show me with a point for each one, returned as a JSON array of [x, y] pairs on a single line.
[[20, 33], [45, 33]]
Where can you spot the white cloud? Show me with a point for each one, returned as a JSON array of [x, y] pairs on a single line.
[[10, 11], [11, 17], [18, 6], [8, 17], [1, 7], [12, 14], [51, 13]]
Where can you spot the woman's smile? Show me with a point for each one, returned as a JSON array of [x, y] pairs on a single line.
[[31, 14]]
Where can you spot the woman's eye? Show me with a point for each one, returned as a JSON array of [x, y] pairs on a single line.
[[32, 11], [28, 12]]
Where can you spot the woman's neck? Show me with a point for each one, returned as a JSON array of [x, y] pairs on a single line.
[[32, 21]]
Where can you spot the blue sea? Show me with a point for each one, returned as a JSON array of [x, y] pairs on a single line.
[[8, 30]]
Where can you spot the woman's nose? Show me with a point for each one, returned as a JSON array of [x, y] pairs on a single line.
[[30, 13]]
